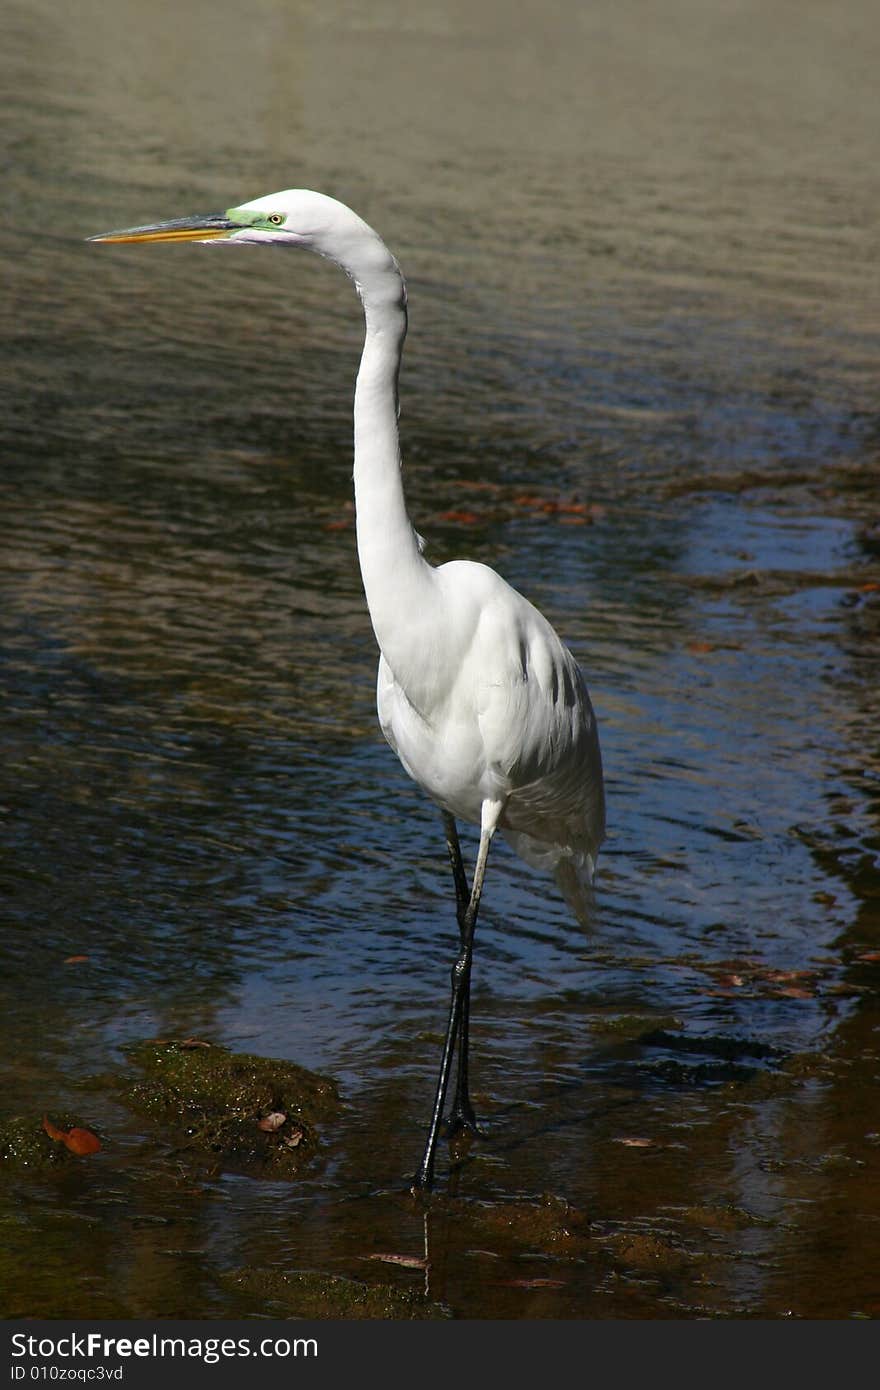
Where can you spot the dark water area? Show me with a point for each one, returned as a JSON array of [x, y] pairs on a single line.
[[641, 382]]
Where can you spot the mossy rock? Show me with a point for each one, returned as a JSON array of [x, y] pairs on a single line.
[[220, 1104], [634, 1028], [548, 1225], [642, 1252], [25, 1144], [304, 1294], [722, 1217]]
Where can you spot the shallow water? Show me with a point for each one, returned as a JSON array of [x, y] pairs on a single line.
[[641, 256]]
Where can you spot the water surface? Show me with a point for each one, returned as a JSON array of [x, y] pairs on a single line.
[[641, 383]]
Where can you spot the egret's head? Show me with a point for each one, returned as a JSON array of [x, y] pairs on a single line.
[[295, 217]]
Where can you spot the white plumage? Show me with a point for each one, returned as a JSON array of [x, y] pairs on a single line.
[[501, 714], [484, 706]]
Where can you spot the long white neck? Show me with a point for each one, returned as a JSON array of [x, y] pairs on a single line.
[[398, 583]]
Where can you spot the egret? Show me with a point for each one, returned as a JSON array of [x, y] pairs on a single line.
[[485, 708]]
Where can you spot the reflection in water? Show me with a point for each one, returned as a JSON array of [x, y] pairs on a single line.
[[658, 310]]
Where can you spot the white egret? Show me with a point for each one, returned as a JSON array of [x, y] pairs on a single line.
[[486, 709]]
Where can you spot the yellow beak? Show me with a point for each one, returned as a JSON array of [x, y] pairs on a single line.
[[206, 228]]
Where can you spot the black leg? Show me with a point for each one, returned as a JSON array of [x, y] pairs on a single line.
[[462, 892], [462, 1114], [461, 974]]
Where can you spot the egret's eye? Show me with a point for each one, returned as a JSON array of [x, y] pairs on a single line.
[[275, 218]]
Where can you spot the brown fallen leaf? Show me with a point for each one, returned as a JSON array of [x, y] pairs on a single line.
[[568, 510], [294, 1140], [871, 957], [190, 1043], [75, 960], [635, 1143], [788, 976], [531, 1283], [273, 1121], [78, 1141], [405, 1261]]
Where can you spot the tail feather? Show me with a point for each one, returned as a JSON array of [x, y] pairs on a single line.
[[575, 883], [573, 871]]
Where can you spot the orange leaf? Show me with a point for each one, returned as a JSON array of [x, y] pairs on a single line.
[[82, 1141], [75, 960], [79, 1141]]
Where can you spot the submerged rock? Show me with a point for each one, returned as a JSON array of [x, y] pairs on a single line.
[[24, 1142], [549, 1224], [254, 1115], [307, 1294]]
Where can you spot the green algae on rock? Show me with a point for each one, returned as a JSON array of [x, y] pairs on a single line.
[[308, 1294], [546, 1224], [25, 1144], [259, 1116]]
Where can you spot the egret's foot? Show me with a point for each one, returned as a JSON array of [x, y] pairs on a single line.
[[421, 1185], [423, 1178], [463, 1120]]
